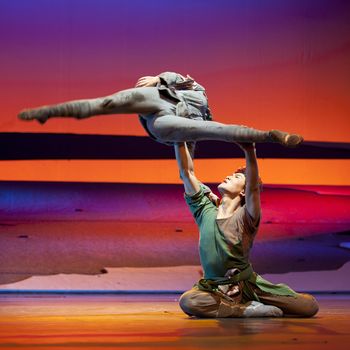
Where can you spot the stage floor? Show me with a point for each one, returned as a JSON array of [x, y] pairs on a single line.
[[155, 322]]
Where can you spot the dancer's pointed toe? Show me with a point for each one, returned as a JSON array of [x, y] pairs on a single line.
[[32, 114], [24, 115], [286, 139], [294, 140]]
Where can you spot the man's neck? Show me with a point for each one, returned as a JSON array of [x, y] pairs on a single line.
[[228, 206]]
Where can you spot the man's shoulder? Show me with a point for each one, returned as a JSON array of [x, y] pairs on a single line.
[[200, 200], [251, 223]]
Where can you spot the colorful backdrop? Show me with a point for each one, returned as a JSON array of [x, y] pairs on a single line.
[[267, 64]]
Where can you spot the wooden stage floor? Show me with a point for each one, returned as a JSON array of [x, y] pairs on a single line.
[[131, 321]]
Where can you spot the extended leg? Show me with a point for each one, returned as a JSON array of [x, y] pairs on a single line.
[[139, 100], [178, 129]]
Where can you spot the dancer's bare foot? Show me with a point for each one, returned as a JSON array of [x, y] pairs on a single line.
[[40, 114], [286, 139], [256, 309]]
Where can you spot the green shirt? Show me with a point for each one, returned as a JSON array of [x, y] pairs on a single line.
[[225, 244]]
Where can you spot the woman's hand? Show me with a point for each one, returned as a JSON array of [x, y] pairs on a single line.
[[147, 81], [188, 83]]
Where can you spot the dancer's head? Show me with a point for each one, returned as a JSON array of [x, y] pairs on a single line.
[[234, 185]]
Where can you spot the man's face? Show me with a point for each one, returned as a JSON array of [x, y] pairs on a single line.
[[232, 184]]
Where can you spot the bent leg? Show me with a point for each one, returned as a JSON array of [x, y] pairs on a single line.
[[301, 305], [200, 304], [210, 305], [138, 100], [177, 129]]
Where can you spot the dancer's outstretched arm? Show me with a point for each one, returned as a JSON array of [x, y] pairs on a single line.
[[252, 181], [186, 168], [148, 81]]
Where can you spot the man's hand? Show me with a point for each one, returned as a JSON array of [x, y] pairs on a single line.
[[246, 146], [147, 81]]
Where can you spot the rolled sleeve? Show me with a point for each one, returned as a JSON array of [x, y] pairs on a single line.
[[250, 224], [200, 205]]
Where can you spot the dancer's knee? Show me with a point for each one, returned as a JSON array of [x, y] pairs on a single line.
[[186, 304], [107, 103], [310, 306], [305, 306], [198, 303], [122, 99]]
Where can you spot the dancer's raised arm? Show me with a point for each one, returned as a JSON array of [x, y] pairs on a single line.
[[252, 181], [186, 168]]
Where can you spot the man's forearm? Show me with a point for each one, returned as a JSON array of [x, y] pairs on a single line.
[[184, 160], [186, 168], [252, 188], [252, 171]]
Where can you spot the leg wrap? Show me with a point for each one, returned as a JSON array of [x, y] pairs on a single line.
[[74, 109], [77, 109], [242, 133]]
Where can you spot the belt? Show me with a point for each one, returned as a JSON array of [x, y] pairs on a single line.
[[210, 285]]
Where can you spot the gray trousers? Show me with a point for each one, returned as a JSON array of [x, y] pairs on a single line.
[[160, 115]]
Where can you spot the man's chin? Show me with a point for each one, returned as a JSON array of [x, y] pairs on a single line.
[[221, 188]]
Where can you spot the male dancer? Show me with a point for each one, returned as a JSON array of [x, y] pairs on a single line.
[[172, 108], [230, 287]]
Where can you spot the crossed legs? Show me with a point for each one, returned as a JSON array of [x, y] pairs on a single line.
[[204, 304], [210, 305]]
